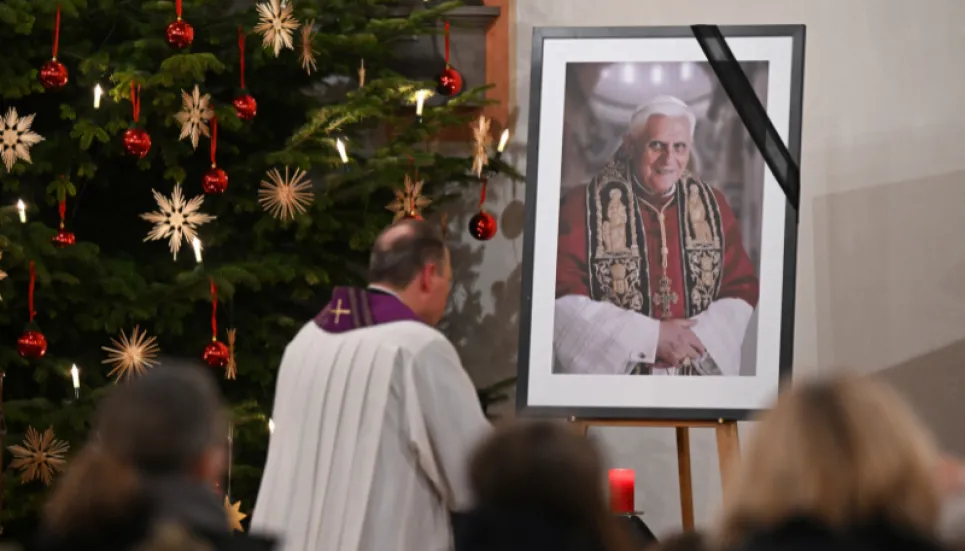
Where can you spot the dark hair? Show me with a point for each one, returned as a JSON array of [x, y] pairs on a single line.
[[404, 248], [540, 482], [684, 541], [159, 424]]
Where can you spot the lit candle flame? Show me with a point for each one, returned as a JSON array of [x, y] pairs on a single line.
[[98, 93], [75, 376], [503, 140], [341, 150], [420, 100], [271, 426], [22, 209], [197, 249]]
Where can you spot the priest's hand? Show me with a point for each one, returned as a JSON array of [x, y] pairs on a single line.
[[677, 342]]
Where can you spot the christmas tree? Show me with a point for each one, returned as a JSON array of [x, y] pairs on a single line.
[[277, 133]]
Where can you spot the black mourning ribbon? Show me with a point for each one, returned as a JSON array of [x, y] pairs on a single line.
[[751, 111]]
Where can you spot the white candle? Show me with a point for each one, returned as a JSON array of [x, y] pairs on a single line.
[[503, 140], [22, 209], [98, 92], [420, 100], [75, 375], [197, 249], [271, 426], [341, 150]]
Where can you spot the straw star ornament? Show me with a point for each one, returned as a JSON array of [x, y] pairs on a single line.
[[283, 198], [276, 24], [409, 201], [231, 370], [194, 116], [308, 49], [40, 457], [16, 138], [176, 219], [131, 355], [482, 139]]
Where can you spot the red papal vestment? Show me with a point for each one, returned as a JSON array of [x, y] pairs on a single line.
[[610, 271]]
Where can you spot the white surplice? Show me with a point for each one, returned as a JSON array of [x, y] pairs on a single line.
[[373, 432]]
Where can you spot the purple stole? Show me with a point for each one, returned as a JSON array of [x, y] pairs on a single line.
[[355, 308]]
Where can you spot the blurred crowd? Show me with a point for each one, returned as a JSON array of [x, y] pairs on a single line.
[[835, 465]]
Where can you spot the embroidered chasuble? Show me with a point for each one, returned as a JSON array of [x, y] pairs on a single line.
[[375, 420], [671, 257]]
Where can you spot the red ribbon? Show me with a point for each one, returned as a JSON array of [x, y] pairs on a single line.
[[177, 6], [214, 311], [33, 283], [136, 99], [57, 32], [214, 138], [241, 48], [447, 44], [482, 193], [62, 207]]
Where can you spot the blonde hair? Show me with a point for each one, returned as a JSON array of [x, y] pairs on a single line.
[[841, 452]]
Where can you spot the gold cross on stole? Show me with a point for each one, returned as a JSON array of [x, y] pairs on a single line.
[[338, 311], [664, 298]]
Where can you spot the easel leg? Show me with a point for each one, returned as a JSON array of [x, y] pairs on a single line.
[[686, 482], [728, 451]]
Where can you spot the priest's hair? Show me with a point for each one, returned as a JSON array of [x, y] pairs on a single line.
[[402, 250], [668, 106]]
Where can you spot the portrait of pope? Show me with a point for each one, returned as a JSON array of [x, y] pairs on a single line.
[[652, 274]]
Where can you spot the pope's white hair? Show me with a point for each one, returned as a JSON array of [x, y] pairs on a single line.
[[668, 106]]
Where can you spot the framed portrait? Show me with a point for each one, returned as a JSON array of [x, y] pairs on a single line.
[[660, 250]]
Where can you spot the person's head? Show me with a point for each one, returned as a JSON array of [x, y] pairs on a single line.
[[659, 142], [543, 472], [843, 452], [170, 422], [683, 541], [410, 258]]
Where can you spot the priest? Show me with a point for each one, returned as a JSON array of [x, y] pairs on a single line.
[[374, 416], [651, 276]]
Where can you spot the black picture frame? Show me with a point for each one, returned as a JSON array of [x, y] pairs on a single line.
[[540, 36]]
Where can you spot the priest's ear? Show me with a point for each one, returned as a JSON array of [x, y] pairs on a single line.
[[427, 276]]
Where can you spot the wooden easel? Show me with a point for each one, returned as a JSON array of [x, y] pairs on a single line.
[[728, 452]]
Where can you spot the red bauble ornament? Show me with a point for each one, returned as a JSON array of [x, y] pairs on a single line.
[[63, 238], [53, 75], [32, 345], [215, 181], [482, 226], [412, 215], [179, 33], [216, 354], [137, 142], [449, 82], [246, 107]]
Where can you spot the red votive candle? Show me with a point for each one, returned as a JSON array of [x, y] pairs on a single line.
[[621, 490]]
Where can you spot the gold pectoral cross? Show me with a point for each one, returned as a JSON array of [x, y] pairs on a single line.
[[665, 297], [338, 311]]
